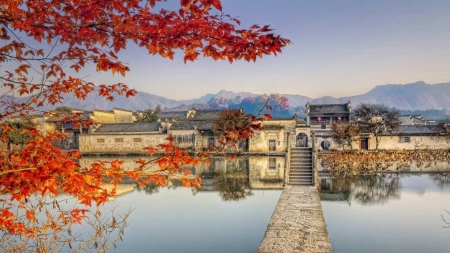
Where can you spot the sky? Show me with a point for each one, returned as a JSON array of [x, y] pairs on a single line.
[[340, 48]]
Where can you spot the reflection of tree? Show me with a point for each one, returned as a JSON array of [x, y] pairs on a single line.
[[152, 188], [233, 185], [375, 190], [363, 189], [149, 189], [441, 179]]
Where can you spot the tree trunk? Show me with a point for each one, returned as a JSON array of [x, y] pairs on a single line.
[[377, 141]]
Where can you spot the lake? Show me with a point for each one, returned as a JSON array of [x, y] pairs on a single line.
[[230, 213], [391, 213]]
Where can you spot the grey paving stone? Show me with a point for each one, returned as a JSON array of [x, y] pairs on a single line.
[[297, 224]]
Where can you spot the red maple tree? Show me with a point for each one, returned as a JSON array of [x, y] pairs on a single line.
[[42, 40]]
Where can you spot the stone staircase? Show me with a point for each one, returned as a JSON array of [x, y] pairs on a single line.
[[301, 169]]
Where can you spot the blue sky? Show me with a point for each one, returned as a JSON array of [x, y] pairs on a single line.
[[340, 48]]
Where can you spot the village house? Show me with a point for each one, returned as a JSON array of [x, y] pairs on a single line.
[[321, 117], [53, 121], [193, 130]]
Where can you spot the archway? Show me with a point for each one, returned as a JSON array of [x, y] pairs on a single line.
[[302, 140]]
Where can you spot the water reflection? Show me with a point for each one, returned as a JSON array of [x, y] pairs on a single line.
[[442, 179], [365, 190], [389, 213], [233, 179], [232, 186]]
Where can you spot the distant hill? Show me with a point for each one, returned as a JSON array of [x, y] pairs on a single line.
[[414, 96]]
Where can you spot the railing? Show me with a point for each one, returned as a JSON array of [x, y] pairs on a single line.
[[322, 122], [327, 122]]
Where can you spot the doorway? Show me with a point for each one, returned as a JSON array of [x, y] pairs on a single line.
[[302, 140]]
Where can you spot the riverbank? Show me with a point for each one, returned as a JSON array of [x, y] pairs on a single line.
[[347, 163]]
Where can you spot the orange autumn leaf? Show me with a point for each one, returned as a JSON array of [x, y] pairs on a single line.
[[92, 34]]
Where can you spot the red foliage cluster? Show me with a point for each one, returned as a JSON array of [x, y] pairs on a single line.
[[79, 33]]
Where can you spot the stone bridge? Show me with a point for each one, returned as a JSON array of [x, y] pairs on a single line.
[[297, 224]]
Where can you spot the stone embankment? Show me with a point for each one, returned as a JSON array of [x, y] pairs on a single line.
[[297, 224]]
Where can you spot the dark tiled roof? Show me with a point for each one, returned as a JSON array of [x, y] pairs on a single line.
[[192, 124], [60, 116], [329, 108], [282, 118], [173, 115], [415, 130], [272, 127], [128, 127], [299, 120], [206, 115]]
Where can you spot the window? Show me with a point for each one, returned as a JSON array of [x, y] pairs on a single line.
[[404, 139], [137, 139], [118, 139], [272, 145], [272, 163], [323, 126], [211, 142], [101, 140]]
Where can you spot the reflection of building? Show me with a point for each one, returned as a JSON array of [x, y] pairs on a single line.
[[262, 172], [121, 189], [361, 189]]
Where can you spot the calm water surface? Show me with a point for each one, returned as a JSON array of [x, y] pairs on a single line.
[[394, 213], [230, 213], [173, 220]]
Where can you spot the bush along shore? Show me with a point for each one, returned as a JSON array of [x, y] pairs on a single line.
[[350, 163]]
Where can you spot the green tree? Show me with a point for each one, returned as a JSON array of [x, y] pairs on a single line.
[[377, 119], [18, 135], [146, 116], [63, 109]]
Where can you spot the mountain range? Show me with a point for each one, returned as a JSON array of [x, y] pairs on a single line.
[[413, 96]]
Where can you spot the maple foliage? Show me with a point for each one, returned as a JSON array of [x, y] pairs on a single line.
[[79, 33], [46, 45], [234, 126]]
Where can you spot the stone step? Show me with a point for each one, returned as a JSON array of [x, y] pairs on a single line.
[[309, 165], [301, 182], [300, 176], [301, 160], [300, 155], [296, 163], [301, 168], [309, 174]]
